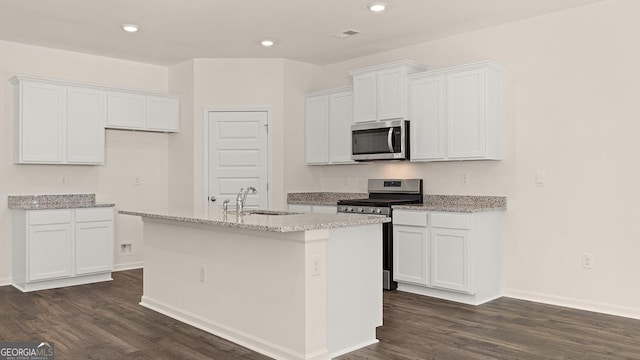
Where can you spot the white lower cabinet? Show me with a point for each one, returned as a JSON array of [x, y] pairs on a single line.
[[449, 255], [56, 248], [49, 254], [94, 241]]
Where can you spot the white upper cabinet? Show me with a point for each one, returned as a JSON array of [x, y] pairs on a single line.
[[428, 127], [40, 113], [340, 121], [329, 116], [381, 92], [162, 113], [58, 124], [138, 111], [317, 130], [86, 114], [126, 110], [456, 113]]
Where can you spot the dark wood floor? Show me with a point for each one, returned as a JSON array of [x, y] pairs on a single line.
[[104, 321]]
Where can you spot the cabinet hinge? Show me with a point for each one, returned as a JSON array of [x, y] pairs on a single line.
[[267, 186], [266, 127]]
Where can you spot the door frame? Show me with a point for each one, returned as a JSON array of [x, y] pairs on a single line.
[[205, 155]]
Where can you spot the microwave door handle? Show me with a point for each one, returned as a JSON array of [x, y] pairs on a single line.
[[390, 140]]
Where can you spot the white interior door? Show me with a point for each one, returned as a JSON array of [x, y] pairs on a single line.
[[238, 157]]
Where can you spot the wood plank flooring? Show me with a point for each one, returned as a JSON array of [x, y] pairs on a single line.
[[104, 321]]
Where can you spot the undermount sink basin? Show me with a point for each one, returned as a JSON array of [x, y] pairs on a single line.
[[269, 212], [264, 212]]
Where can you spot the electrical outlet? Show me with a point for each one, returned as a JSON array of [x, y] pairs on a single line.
[[465, 180], [126, 249], [203, 273], [137, 180], [315, 265], [539, 179], [63, 180], [587, 261]]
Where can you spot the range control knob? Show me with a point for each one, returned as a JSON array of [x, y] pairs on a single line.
[[350, 209], [360, 209], [372, 210], [378, 211]]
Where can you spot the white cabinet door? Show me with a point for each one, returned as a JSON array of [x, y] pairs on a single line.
[[86, 118], [162, 113], [428, 123], [390, 90], [466, 114], [41, 123], [450, 260], [49, 252], [411, 254], [94, 247], [364, 98], [324, 209], [317, 129], [340, 121], [300, 208], [125, 110]]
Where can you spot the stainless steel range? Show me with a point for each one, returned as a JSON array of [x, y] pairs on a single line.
[[383, 194]]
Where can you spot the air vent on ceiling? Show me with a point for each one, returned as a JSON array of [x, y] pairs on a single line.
[[348, 33]]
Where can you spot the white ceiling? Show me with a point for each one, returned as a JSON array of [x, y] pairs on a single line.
[[173, 31]]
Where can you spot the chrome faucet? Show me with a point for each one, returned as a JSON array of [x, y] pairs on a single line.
[[242, 198]]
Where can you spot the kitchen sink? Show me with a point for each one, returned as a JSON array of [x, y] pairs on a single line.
[[269, 212]]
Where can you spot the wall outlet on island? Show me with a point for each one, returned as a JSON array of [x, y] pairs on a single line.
[[587, 261], [203, 273], [465, 180]]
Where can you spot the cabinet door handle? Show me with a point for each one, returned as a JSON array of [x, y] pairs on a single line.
[[213, 199]]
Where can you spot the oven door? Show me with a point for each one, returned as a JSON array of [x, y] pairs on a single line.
[[384, 140]]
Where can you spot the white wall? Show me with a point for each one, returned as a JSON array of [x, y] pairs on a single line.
[[237, 83], [570, 95], [128, 154]]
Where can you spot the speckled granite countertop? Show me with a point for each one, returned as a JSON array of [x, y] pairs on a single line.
[[322, 198], [459, 203], [51, 202], [453, 203], [291, 222]]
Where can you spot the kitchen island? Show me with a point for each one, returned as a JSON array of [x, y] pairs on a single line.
[[290, 286]]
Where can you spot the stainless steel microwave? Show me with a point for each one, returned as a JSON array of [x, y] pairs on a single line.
[[381, 140]]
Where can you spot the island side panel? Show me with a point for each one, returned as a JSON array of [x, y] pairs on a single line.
[[258, 290], [354, 287]]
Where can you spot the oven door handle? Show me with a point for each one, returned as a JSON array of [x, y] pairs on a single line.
[[390, 140]]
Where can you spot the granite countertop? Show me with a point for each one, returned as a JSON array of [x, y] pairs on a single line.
[[52, 202], [290, 222], [459, 203], [322, 198]]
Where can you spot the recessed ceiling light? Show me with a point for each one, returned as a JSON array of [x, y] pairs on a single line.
[[267, 43], [377, 7], [130, 28]]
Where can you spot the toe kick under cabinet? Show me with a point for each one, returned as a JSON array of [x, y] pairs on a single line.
[[62, 247], [449, 255]]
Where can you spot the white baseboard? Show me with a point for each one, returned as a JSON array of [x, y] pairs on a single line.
[[251, 342], [611, 309], [5, 281], [128, 266]]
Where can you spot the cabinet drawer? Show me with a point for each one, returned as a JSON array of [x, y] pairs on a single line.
[[413, 218], [44, 217], [450, 220], [94, 214]]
